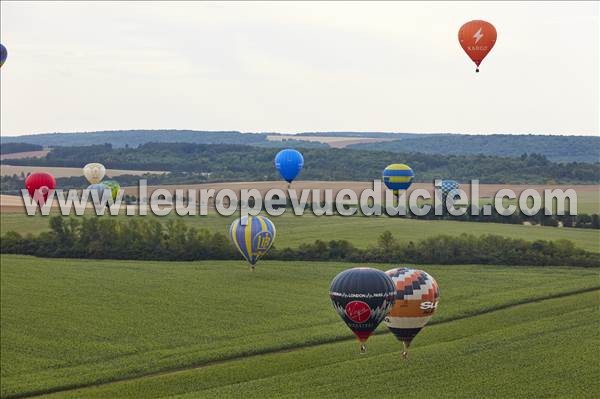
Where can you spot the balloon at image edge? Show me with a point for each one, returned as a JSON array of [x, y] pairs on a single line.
[[362, 297], [41, 181], [398, 176], [3, 54], [94, 172], [289, 163], [417, 295], [477, 38], [252, 236]]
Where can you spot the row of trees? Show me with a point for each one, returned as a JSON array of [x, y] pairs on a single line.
[[135, 238], [228, 162]]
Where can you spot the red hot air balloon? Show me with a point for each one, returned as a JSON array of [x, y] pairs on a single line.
[[477, 39], [42, 183]]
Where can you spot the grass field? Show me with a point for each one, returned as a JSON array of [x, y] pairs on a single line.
[[214, 329], [361, 231]]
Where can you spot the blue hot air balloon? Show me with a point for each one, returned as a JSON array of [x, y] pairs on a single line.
[[3, 54], [252, 236], [99, 188], [289, 163], [449, 188]]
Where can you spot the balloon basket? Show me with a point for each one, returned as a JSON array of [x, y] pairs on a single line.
[[363, 349], [404, 354]]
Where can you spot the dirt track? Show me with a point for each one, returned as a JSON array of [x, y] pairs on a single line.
[[335, 142], [9, 170], [28, 154]]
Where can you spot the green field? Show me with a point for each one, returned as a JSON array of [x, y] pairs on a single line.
[[359, 230], [215, 329]]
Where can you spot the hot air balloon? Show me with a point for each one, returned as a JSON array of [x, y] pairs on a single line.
[[114, 187], [477, 39], [252, 236], [94, 172], [417, 296], [362, 297], [99, 188], [3, 54], [289, 163], [449, 188], [398, 176], [38, 184]]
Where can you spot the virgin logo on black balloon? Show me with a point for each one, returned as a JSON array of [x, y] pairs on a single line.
[[358, 311]]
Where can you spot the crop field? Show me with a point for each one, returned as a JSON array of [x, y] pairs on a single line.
[[588, 196], [89, 328], [334, 142], [360, 230], [26, 154]]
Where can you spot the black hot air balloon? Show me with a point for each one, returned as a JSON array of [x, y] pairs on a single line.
[[362, 297]]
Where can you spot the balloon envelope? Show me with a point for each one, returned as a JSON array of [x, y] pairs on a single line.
[[449, 188], [417, 296], [38, 184], [398, 176], [289, 163], [362, 296], [252, 236], [3, 54], [477, 39], [114, 188], [94, 172], [99, 188]]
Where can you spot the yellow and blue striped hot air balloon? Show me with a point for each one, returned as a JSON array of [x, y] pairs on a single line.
[[398, 176], [252, 236]]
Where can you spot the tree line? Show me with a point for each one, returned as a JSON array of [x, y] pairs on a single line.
[[556, 148], [230, 162], [139, 239], [12, 148]]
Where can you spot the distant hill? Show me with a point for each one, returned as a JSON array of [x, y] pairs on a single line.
[[135, 138], [555, 148]]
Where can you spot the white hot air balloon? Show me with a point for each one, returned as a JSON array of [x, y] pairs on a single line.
[[94, 172]]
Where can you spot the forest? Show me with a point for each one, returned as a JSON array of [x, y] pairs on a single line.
[[234, 162], [555, 148]]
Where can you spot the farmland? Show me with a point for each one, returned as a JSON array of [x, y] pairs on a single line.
[[75, 323], [56, 171]]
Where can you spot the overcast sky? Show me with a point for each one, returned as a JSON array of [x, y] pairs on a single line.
[[292, 67]]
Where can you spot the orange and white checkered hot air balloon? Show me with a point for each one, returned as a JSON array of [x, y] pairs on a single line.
[[417, 296]]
